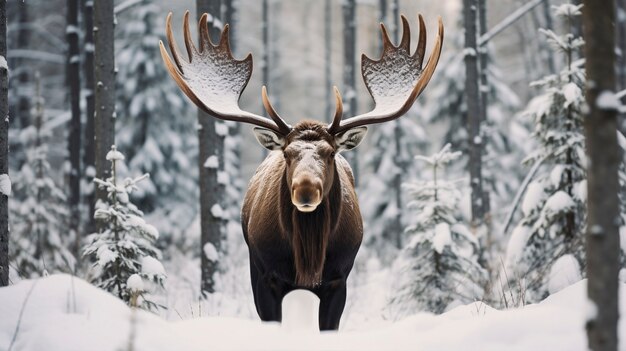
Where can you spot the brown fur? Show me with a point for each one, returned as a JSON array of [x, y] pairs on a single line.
[[271, 220]]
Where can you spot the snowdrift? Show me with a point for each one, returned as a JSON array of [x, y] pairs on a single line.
[[61, 312]]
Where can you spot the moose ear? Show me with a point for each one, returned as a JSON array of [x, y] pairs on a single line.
[[351, 138], [269, 139]]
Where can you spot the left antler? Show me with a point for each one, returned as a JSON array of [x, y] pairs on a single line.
[[395, 80], [213, 79]]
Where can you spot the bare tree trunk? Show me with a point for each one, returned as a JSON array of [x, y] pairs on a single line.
[[328, 59], [211, 191], [4, 149], [602, 235], [23, 77], [104, 72], [472, 99], [73, 90], [274, 73], [349, 71], [89, 154]]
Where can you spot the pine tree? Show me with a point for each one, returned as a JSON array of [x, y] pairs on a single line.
[[439, 267], [124, 247], [379, 203], [39, 215], [155, 126], [554, 210]]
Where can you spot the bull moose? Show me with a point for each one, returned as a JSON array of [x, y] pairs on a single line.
[[300, 217]]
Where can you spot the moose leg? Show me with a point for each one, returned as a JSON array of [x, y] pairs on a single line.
[[332, 301], [267, 295]]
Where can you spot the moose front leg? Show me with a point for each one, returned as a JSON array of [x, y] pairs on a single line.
[[332, 301], [268, 291]]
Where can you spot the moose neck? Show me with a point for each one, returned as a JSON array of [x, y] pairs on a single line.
[[309, 232]]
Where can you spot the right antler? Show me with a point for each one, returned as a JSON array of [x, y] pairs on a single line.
[[213, 79], [395, 80]]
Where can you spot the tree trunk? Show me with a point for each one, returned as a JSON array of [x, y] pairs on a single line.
[[73, 90], [104, 72], [328, 44], [349, 72], [23, 77], [89, 154], [211, 191], [4, 149], [472, 99], [230, 17], [602, 235]]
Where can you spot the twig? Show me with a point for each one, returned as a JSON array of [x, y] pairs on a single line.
[[510, 19], [520, 192]]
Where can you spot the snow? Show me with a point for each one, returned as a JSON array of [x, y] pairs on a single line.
[[212, 162], [66, 313], [217, 211], [210, 252], [607, 100], [559, 202], [151, 266], [105, 255], [442, 237], [533, 196], [515, 248], [114, 155], [565, 271], [135, 283], [5, 184], [3, 63]]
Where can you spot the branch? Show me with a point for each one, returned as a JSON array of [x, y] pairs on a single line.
[[125, 6], [520, 192], [37, 55], [510, 19]]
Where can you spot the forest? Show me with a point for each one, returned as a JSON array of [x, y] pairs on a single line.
[[493, 206]]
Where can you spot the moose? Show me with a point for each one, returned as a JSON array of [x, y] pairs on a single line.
[[300, 216]]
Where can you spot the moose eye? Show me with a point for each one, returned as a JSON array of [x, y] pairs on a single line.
[[332, 154]]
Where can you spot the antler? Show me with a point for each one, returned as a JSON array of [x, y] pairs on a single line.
[[395, 80], [213, 79]]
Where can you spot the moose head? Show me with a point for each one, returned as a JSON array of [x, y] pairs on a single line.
[[214, 81]]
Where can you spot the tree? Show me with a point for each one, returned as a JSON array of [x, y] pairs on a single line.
[[439, 267], [602, 234], [39, 213], [211, 135], [104, 73], [472, 92], [349, 72], [74, 136], [554, 205], [89, 154], [154, 124], [124, 246], [5, 181]]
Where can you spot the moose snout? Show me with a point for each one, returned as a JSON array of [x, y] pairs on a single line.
[[306, 193]]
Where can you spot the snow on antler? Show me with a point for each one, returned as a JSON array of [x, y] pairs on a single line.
[[212, 78], [396, 79]]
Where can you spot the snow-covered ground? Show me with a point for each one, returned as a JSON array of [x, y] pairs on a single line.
[[61, 312]]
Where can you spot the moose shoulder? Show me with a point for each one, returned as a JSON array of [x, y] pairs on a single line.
[[301, 217]]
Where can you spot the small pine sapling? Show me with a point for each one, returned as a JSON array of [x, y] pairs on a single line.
[[554, 206], [439, 267], [39, 216], [124, 248]]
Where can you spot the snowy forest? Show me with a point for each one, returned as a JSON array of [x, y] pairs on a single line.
[[493, 209]]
